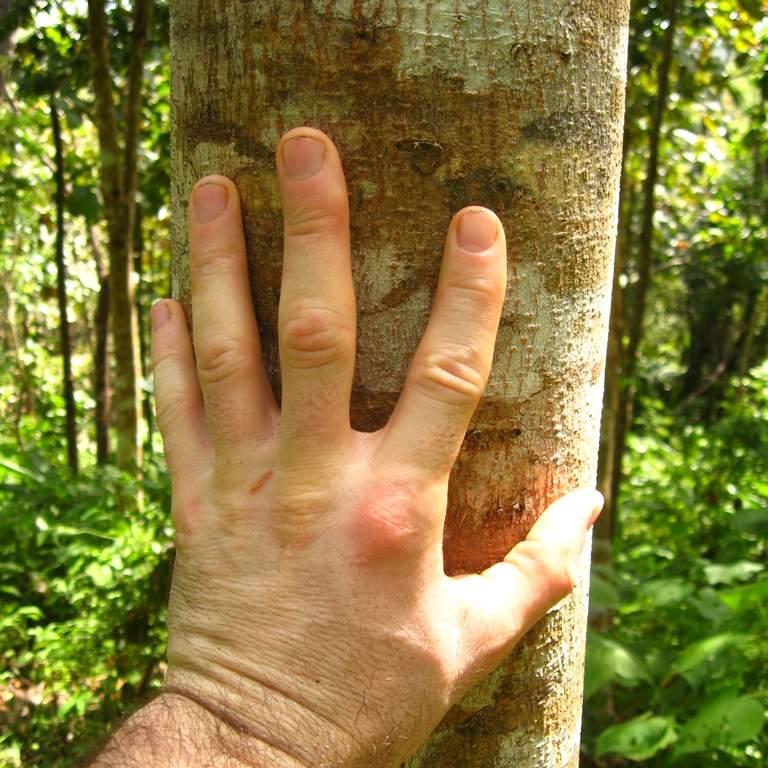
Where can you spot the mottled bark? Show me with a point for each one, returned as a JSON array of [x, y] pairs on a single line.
[[61, 293], [513, 105], [118, 185]]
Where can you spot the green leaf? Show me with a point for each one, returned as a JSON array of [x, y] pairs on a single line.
[[743, 570], [725, 722], [664, 592], [101, 575], [711, 607], [747, 597], [602, 593], [82, 201], [637, 739], [752, 521], [706, 650], [608, 660]]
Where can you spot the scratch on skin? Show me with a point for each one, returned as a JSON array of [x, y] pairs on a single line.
[[261, 482]]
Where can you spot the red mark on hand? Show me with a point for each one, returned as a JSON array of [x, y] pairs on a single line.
[[261, 482]]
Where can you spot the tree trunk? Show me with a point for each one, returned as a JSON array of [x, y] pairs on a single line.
[[7, 31], [606, 465], [635, 315], [142, 315], [118, 185], [101, 391], [512, 105], [61, 293]]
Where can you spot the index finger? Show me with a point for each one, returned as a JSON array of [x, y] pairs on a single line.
[[239, 403]]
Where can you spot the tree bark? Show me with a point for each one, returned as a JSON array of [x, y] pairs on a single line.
[[513, 105], [118, 185], [61, 293]]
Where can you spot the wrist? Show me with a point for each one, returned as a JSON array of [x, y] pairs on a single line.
[[180, 728], [265, 720]]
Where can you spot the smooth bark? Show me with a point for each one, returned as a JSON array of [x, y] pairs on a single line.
[[515, 106]]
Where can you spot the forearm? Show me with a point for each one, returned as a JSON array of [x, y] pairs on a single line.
[[176, 731]]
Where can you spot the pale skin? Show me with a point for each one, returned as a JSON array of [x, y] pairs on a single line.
[[311, 622]]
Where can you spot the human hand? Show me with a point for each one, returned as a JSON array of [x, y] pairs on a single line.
[[310, 618]]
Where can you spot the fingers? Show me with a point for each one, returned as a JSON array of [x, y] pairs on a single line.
[[507, 599], [179, 403], [239, 404], [316, 319], [451, 365]]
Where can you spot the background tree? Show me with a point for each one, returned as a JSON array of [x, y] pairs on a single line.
[[61, 290], [119, 179]]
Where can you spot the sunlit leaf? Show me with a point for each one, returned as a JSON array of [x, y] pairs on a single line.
[[725, 722], [743, 570], [706, 650], [637, 739]]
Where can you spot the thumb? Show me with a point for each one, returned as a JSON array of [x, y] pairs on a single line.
[[503, 602]]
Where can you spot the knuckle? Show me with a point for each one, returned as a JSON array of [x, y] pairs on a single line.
[[479, 289], [163, 361], [297, 514], [171, 410], [315, 336], [220, 358], [389, 521], [211, 261], [541, 563], [312, 222], [454, 379]]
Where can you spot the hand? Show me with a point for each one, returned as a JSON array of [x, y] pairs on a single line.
[[310, 615]]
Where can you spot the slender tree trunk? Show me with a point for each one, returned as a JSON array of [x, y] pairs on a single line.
[[513, 105], [118, 184], [6, 42], [142, 316], [605, 526], [21, 371], [635, 316], [61, 292], [101, 391]]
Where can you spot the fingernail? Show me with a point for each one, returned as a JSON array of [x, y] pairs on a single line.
[[208, 201], [477, 231], [303, 157], [159, 313]]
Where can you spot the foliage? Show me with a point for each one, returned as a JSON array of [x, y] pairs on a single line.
[[82, 611], [679, 677]]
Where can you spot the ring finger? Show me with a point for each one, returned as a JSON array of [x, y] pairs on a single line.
[[451, 365]]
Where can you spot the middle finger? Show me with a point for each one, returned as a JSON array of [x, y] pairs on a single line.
[[316, 319]]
